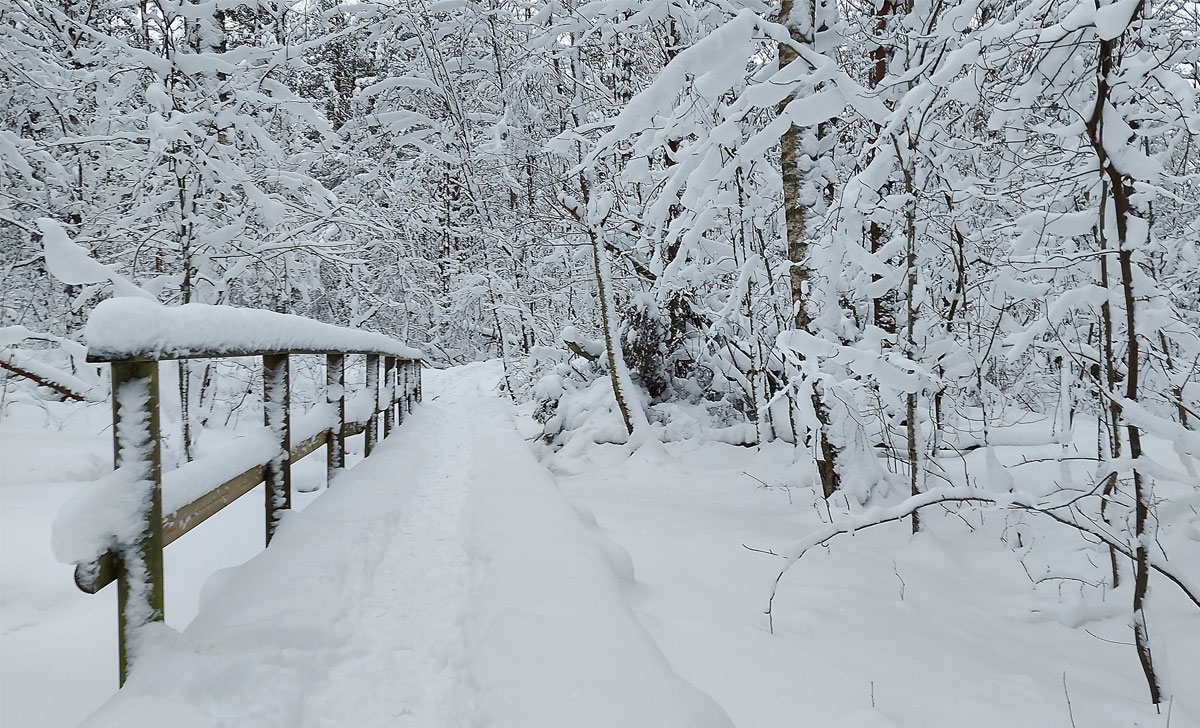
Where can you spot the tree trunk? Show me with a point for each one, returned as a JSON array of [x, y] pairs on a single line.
[[1120, 190], [606, 324], [799, 17], [883, 307]]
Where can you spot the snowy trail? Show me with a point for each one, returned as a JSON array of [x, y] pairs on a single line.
[[407, 625], [444, 582]]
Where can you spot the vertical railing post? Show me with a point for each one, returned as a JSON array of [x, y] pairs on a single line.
[[277, 405], [406, 403], [398, 401], [136, 445], [389, 396], [335, 394], [372, 435], [412, 386], [410, 391], [420, 387]]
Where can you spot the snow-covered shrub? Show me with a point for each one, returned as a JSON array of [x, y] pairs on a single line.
[[654, 342], [690, 387]]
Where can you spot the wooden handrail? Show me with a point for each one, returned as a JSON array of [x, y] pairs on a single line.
[[103, 358], [136, 442], [93, 576]]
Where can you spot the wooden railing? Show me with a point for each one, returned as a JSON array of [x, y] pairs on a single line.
[[137, 567]]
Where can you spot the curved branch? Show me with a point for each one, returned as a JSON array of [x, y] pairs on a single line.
[[904, 509]]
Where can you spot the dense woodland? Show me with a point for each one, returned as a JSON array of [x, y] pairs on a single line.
[[882, 230]]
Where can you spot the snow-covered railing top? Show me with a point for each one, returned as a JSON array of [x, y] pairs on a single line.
[[137, 329], [116, 529]]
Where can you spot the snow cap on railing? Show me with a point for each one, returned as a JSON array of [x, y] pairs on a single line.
[[135, 328]]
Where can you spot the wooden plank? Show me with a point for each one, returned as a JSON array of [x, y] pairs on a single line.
[[309, 446], [94, 576], [208, 505], [200, 510]]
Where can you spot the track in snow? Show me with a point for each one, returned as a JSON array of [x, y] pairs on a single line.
[[407, 625]]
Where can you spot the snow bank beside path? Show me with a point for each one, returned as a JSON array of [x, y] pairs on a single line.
[[555, 642], [882, 629], [443, 582]]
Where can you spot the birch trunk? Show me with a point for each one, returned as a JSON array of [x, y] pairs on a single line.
[[798, 17]]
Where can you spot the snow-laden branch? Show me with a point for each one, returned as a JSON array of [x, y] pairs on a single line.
[[71, 264], [42, 374]]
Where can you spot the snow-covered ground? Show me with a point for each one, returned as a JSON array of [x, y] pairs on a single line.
[[881, 629], [453, 580]]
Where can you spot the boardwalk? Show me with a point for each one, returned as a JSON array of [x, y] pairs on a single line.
[[441, 582]]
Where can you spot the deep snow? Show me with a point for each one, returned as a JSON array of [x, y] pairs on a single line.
[[453, 580], [882, 628]]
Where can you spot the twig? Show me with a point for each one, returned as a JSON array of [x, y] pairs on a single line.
[[1111, 642], [1070, 712], [768, 486], [880, 516], [760, 481], [769, 552]]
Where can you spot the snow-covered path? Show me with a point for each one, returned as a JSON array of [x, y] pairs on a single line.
[[404, 622], [442, 582]]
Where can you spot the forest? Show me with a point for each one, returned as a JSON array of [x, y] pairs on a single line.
[[891, 236]]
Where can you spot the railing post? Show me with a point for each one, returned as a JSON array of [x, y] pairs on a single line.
[[277, 416], [389, 383], [412, 386], [410, 391], [372, 435], [420, 387], [335, 394], [398, 401], [136, 445]]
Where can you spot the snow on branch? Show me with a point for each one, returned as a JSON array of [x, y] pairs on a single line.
[[132, 328], [70, 263], [66, 385], [80, 386]]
